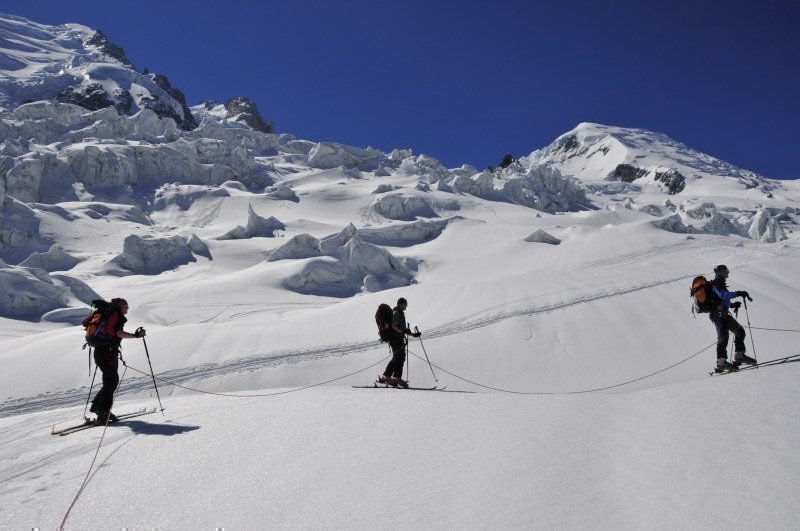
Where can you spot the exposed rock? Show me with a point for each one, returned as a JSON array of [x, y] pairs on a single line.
[[540, 236], [100, 40], [242, 109], [199, 247], [627, 173], [92, 96], [186, 121], [674, 181]]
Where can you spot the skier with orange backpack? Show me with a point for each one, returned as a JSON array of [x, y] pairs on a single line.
[[104, 332], [725, 323]]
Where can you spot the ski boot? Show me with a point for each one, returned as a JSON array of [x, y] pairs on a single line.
[[741, 357], [386, 380], [399, 382], [724, 365]]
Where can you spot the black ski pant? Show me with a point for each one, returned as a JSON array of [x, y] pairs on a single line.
[[726, 324], [107, 362], [395, 367]]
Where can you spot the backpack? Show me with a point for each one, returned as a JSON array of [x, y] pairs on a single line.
[[383, 318], [97, 334], [703, 298]]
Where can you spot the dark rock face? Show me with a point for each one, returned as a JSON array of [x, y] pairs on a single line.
[[672, 179], [247, 110], [100, 40], [626, 173], [569, 143], [93, 97], [123, 101], [187, 121]]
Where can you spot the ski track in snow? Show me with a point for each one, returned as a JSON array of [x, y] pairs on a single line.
[[139, 384], [484, 318]]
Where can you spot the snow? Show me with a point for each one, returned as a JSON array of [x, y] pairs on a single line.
[[577, 393]]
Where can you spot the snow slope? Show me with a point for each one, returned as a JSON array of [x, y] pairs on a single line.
[[578, 393]]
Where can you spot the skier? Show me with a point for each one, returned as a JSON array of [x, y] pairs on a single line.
[[725, 323], [397, 340], [106, 358]]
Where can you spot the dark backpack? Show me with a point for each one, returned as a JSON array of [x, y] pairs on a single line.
[[383, 318], [97, 334], [703, 298]]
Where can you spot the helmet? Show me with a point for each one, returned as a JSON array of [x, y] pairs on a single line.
[[119, 302], [401, 300], [722, 268]]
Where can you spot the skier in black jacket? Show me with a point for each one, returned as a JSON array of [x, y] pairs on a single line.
[[107, 359], [725, 323], [397, 340]]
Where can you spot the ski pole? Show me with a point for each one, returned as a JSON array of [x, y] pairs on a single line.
[[90, 392], [152, 374], [749, 329], [426, 354], [408, 361]]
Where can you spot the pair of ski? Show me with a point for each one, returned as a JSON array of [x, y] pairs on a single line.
[[90, 423], [768, 363], [378, 385]]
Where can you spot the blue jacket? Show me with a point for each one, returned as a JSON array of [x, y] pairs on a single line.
[[720, 289]]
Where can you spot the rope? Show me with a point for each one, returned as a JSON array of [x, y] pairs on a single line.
[[775, 329], [89, 474], [571, 392], [231, 395], [94, 459]]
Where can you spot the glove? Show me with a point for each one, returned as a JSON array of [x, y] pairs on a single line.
[[416, 334], [736, 305], [407, 331], [140, 332], [743, 294]]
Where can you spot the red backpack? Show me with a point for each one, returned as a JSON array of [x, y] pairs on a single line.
[[383, 318], [96, 324]]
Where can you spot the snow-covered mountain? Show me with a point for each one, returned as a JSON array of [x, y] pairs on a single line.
[[597, 152], [256, 261]]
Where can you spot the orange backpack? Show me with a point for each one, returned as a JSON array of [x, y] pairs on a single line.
[[702, 296]]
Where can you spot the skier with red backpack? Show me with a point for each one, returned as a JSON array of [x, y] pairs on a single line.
[[394, 330], [104, 332]]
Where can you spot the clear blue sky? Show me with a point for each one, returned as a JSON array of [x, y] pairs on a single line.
[[467, 81]]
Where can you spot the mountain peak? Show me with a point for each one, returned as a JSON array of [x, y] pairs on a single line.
[[596, 152]]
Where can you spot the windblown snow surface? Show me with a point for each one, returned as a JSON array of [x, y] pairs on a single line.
[[577, 388]]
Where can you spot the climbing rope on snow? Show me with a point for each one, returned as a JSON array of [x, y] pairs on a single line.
[[569, 392], [776, 329], [232, 395], [89, 474]]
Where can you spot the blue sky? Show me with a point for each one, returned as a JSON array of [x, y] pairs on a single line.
[[468, 81]]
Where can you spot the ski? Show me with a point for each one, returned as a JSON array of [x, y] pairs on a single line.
[[377, 385], [88, 423], [768, 363]]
